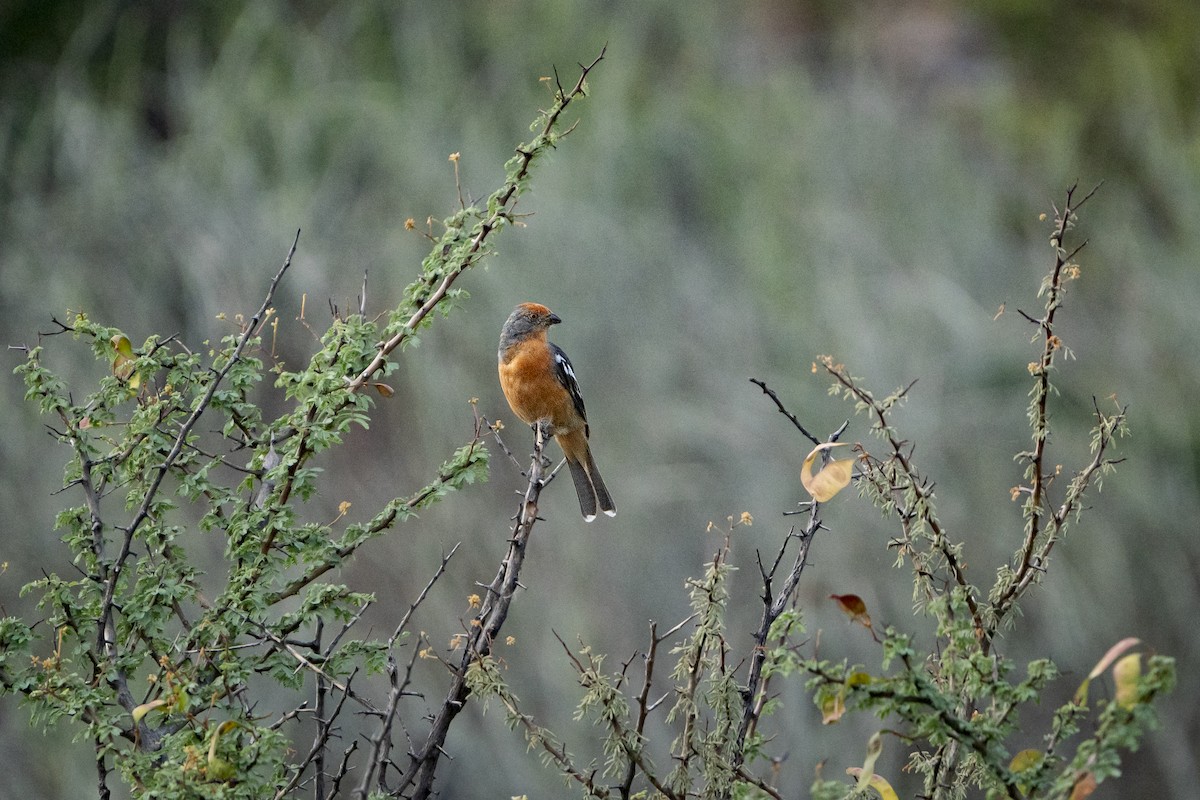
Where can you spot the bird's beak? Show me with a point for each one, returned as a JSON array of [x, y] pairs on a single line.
[[553, 319]]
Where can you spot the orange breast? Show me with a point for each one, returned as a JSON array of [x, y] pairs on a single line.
[[532, 388]]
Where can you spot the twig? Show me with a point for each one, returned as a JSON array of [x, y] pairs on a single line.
[[637, 758], [486, 626], [502, 209], [316, 753], [441, 570], [773, 607], [898, 476], [1031, 556], [642, 704], [779, 404], [382, 740]]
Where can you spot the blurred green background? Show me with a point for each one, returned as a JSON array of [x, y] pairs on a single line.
[[750, 185]]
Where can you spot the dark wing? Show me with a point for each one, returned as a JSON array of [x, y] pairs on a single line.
[[566, 376]]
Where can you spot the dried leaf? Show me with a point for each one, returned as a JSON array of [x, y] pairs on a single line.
[[1113, 653], [832, 708], [854, 607], [876, 782], [1085, 784], [122, 345], [831, 479], [383, 389]]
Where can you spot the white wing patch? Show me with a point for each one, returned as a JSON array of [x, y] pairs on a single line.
[[566, 375]]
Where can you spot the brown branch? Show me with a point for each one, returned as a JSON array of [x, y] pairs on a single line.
[[503, 210], [773, 607], [774, 604], [912, 481], [1070, 503], [637, 759], [486, 626], [102, 790], [779, 404], [316, 753], [1028, 561], [643, 704]]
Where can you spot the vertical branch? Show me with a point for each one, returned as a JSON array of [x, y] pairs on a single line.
[[486, 625], [381, 743], [500, 209], [774, 603], [102, 772], [643, 704], [324, 730], [1036, 508]]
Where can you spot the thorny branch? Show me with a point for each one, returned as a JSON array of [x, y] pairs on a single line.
[[485, 627], [897, 476], [782, 410], [326, 730], [775, 602], [502, 210], [1040, 532], [318, 768], [629, 743]]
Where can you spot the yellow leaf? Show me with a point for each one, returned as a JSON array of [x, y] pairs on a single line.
[[220, 770], [858, 679], [1025, 760], [1125, 675], [123, 365], [227, 725], [876, 782], [831, 479], [122, 345], [146, 708], [383, 389], [1114, 652]]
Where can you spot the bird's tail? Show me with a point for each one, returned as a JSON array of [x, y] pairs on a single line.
[[590, 487]]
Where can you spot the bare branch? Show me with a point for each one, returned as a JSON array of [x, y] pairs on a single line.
[[779, 404], [502, 210], [486, 627]]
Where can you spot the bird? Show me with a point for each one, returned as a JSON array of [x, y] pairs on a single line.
[[540, 386]]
